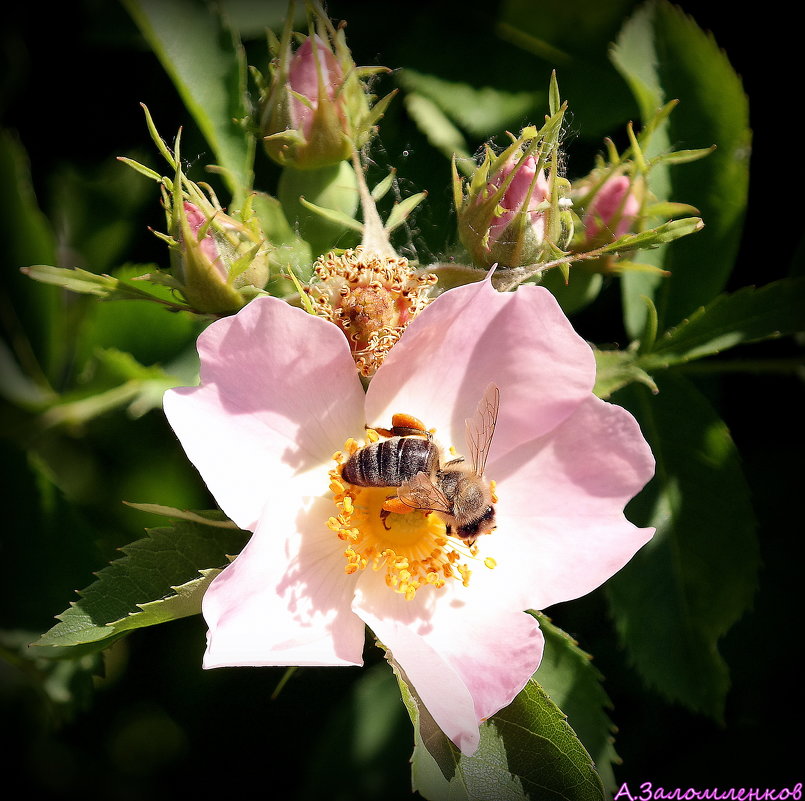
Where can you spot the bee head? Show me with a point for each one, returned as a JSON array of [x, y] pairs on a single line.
[[485, 524]]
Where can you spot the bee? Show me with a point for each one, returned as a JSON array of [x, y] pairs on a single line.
[[410, 460]]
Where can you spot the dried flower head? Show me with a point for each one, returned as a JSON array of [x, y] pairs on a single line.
[[371, 297]]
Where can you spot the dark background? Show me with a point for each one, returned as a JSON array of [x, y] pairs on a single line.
[[159, 725]]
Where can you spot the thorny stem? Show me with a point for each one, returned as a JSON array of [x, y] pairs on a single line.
[[511, 278], [453, 274]]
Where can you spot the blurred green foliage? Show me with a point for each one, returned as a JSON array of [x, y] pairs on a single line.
[[81, 382]]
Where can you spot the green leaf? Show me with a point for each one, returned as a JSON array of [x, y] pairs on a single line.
[[206, 62], [567, 674], [437, 126], [572, 38], [205, 517], [527, 751], [481, 111], [129, 325], [186, 601], [615, 369], [664, 56], [161, 577], [747, 315], [686, 587], [17, 387]]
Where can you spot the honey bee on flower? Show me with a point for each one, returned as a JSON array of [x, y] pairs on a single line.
[[279, 396]]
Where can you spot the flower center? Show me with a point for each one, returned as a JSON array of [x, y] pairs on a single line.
[[413, 548]]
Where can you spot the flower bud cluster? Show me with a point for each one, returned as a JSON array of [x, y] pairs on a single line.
[[218, 261], [513, 207]]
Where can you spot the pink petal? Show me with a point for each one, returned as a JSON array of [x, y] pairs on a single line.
[[279, 394], [517, 197], [196, 220], [285, 600], [470, 336], [561, 529], [466, 655], [303, 78], [612, 208]]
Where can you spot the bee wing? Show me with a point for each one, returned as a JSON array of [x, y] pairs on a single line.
[[421, 493], [481, 427]]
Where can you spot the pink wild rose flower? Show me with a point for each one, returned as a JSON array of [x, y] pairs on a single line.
[[279, 396]]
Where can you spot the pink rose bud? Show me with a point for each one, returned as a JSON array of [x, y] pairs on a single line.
[[524, 195], [613, 209], [504, 208], [303, 79], [207, 244], [315, 108], [218, 261]]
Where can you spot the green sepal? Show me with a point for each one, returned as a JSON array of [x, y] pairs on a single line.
[[682, 156], [661, 235], [400, 211], [669, 209], [333, 215], [105, 287], [381, 189]]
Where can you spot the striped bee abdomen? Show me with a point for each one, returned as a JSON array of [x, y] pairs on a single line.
[[390, 462]]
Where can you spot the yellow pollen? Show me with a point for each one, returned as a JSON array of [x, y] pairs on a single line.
[[411, 550]]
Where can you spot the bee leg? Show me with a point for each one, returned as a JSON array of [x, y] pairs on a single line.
[[409, 424], [458, 460], [394, 505], [402, 431]]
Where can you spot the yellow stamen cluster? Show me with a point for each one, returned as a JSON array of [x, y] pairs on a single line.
[[371, 298], [413, 549]]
